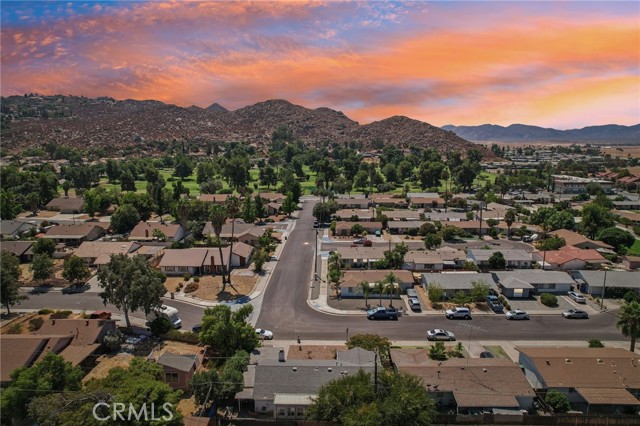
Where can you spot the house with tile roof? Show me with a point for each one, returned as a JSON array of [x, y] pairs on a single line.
[[74, 235], [451, 283], [143, 231], [89, 251], [569, 258], [14, 228], [66, 205], [578, 240], [197, 261]]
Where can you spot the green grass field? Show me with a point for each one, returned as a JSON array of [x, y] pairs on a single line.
[[634, 250]]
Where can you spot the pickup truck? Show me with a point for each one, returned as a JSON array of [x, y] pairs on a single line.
[[494, 303], [382, 313]]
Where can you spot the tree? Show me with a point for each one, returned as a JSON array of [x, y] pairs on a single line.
[[259, 259], [391, 286], [9, 284], [323, 211], [432, 241], [397, 399], [357, 229], [509, 218], [66, 186], [75, 269], [479, 291], [44, 246], [160, 325], [370, 342], [342, 185], [361, 180], [130, 284], [558, 401], [183, 167], [379, 288], [560, 220], [366, 290], [127, 181], [228, 331], [159, 235], [218, 217], [553, 243], [334, 274], [205, 385], [594, 219], [497, 261], [629, 322], [259, 206], [616, 237], [502, 185], [42, 267], [435, 292], [124, 219], [449, 233], [395, 257], [268, 176], [9, 208], [52, 374], [289, 205]]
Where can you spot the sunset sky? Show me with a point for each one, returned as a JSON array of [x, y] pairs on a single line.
[[561, 64]]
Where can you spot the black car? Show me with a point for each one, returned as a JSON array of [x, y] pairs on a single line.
[[75, 288], [486, 354], [196, 328]]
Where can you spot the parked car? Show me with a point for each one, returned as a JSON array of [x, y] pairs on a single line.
[[316, 224], [382, 313], [76, 288], [196, 328], [494, 303], [264, 334], [414, 304], [517, 314], [577, 297], [459, 312], [411, 292], [486, 354], [439, 334], [358, 241], [103, 315], [575, 314]]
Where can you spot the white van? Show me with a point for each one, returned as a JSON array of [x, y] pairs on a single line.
[[168, 312]]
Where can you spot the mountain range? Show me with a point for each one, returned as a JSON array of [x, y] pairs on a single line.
[[610, 133], [115, 125]]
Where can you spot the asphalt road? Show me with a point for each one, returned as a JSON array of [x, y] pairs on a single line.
[[284, 308]]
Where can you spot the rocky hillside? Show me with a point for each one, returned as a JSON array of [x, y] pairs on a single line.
[[115, 125]]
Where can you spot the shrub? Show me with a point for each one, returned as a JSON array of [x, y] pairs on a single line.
[[15, 328], [60, 314], [595, 343], [504, 302], [630, 296], [160, 325], [186, 276], [177, 336], [191, 287], [438, 352], [457, 351], [44, 311], [557, 401], [436, 293], [113, 340], [180, 285], [35, 323], [549, 299], [196, 279]]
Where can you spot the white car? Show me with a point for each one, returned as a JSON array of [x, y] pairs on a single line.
[[579, 298], [264, 334], [438, 334], [517, 314], [460, 312]]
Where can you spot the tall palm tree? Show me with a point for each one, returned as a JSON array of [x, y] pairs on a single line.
[[233, 209], [390, 286], [378, 288], [629, 322], [366, 290], [218, 217]]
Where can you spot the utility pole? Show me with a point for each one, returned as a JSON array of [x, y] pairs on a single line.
[[375, 373], [604, 286]]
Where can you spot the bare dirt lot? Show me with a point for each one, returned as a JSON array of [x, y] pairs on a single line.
[[623, 151], [314, 351], [210, 287], [27, 280]]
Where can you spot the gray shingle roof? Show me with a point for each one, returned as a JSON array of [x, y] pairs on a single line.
[[621, 279], [179, 362], [461, 280], [536, 276]]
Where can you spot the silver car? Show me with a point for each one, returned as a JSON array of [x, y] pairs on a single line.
[[517, 314], [264, 334], [579, 298], [575, 314], [438, 334]]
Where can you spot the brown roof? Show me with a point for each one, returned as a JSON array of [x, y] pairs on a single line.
[[361, 213], [83, 331], [365, 225], [17, 248], [60, 203], [272, 196], [573, 238], [93, 249], [566, 367], [599, 396], [239, 229], [185, 257], [72, 231], [352, 278], [241, 249], [76, 354], [22, 350], [426, 200], [214, 198], [145, 229], [361, 252]]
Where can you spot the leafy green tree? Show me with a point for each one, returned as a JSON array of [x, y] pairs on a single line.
[[44, 246], [509, 218], [142, 202], [370, 342], [502, 185], [9, 207], [237, 171], [323, 211], [205, 171], [616, 237], [52, 374], [357, 229], [248, 210], [366, 290], [127, 181], [233, 210], [594, 219], [124, 219], [289, 205], [342, 185], [629, 322], [268, 176], [112, 170], [92, 201], [435, 292], [183, 166], [558, 401], [497, 261], [361, 180], [259, 206], [259, 259], [130, 284], [479, 291], [553, 243], [427, 228], [75, 269], [432, 241], [42, 267], [560, 220], [9, 284], [449, 233], [206, 387], [228, 331], [160, 326], [218, 217], [395, 257]]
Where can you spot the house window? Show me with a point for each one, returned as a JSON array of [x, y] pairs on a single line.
[[183, 269], [292, 411], [301, 411], [281, 411], [169, 268], [171, 377]]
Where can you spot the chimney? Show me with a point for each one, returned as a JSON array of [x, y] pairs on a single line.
[[213, 267], [281, 355], [146, 233]]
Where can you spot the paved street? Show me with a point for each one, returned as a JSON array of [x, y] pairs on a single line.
[[284, 309]]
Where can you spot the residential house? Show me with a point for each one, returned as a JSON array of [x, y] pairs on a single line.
[[595, 380], [631, 262], [616, 283], [403, 214], [350, 283], [568, 259], [360, 257], [404, 226], [26, 350], [384, 200], [352, 203], [272, 197], [20, 249], [469, 385], [448, 216], [196, 261], [434, 260], [66, 205], [245, 232], [144, 231], [451, 283], [344, 228], [470, 226], [580, 241], [178, 369], [538, 281], [89, 251], [213, 198], [631, 216], [427, 202], [515, 259], [412, 195], [14, 228], [361, 215], [627, 205], [74, 235], [564, 184], [273, 208]]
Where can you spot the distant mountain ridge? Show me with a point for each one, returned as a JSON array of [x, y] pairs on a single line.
[[525, 133], [115, 125]]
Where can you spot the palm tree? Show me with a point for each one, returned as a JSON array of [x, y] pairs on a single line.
[[509, 218], [390, 286], [233, 209], [629, 322], [218, 216], [378, 288], [366, 289]]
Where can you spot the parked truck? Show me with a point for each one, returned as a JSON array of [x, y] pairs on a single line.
[[494, 303], [383, 313], [168, 312]]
